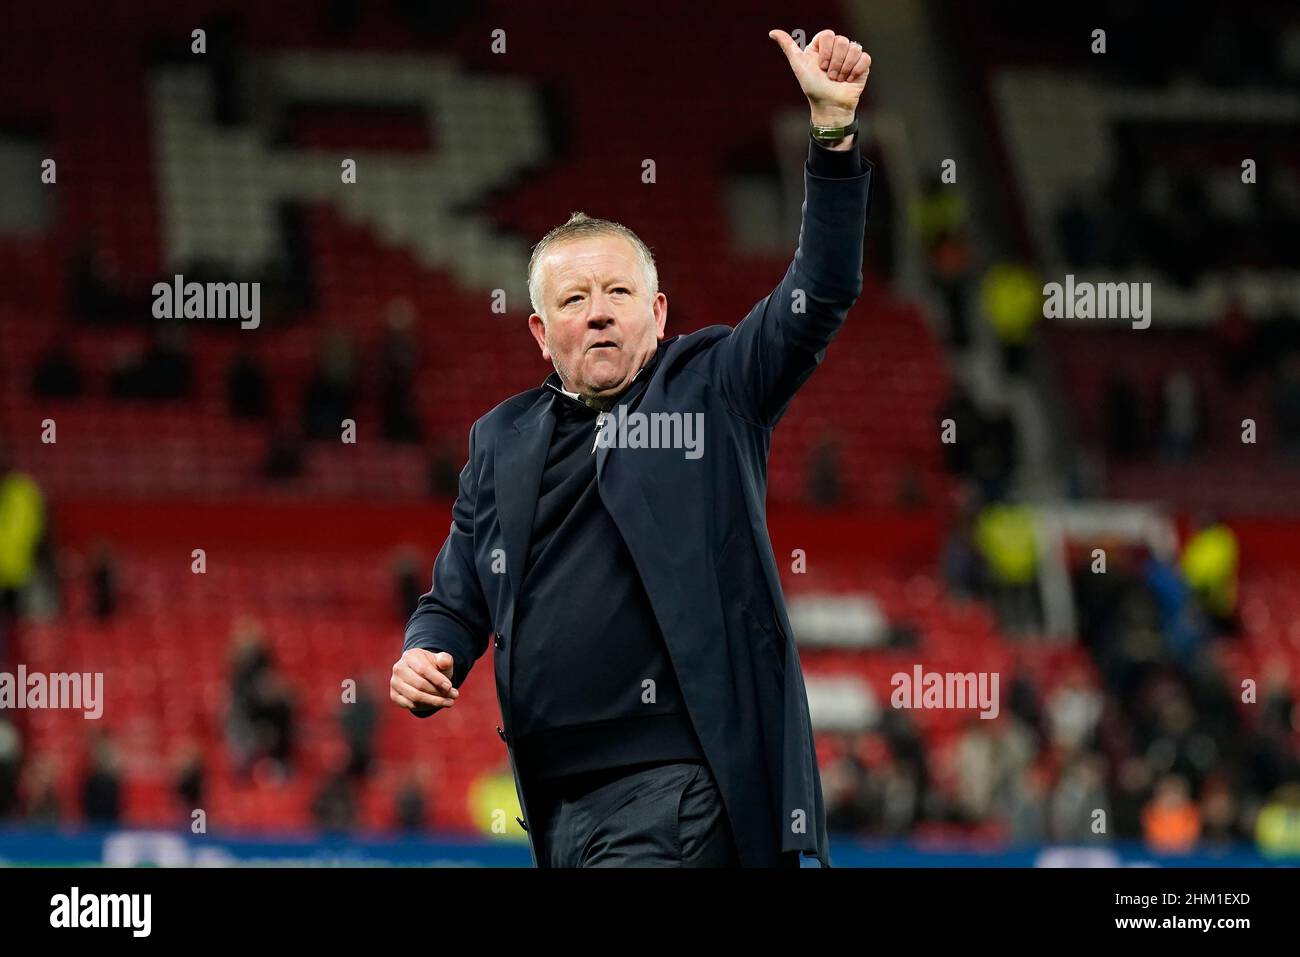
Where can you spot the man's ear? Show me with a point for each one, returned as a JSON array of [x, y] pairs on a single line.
[[537, 326], [660, 307]]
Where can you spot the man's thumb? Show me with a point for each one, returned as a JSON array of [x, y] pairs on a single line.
[[444, 661], [786, 42]]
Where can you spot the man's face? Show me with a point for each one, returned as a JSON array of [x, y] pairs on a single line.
[[602, 324]]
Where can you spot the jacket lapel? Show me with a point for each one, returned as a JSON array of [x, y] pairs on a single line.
[[520, 459]]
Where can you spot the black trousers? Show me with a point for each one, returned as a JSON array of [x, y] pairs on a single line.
[[667, 814]]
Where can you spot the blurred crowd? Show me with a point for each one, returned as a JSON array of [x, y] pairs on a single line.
[[341, 383], [1148, 742], [262, 720], [263, 728]]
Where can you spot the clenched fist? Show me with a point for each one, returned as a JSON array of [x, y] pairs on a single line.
[[832, 72], [422, 681]]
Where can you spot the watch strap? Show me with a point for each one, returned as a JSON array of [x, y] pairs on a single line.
[[824, 134]]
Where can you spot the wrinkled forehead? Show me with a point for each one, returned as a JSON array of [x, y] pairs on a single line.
[[596, 257]]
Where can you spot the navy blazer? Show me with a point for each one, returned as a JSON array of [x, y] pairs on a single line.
[[696, 529]]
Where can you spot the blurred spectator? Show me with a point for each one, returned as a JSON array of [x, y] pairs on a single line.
[[358, 720], [1276, 703], [1073, 711], [1132, 790], [11, 753], [984, 442], [1209, 562], [1277, 828], [284, 455], [847, 791], [126, 371], [939, 218], [246, 386], [410, 808], [1007, 542], [1181, 416], [249, 662], [164, 371], [335, 808], [1016, 746], [444, 470], [961, 564], [1219, 812], [330, 395], [1180, 619], [1012, 301], [42, 796], [1171, 823], [1079, 794], [1023, 702], [976, 772], [407, 584], [101, 788], [93, 285], [990, 758], [271, 715], [103, 584], [825, 487], [950, 267], [22, 526], [895, 797], [1122, 418], [1178, 743], [190, 777], [168, 368], [57, 374], [1213, 697], [398, 360], [938, 211], [1025, 811]]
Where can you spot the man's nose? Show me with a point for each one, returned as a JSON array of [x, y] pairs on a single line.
[[601, 313]]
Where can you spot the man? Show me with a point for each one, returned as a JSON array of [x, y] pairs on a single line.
[[651, 695]]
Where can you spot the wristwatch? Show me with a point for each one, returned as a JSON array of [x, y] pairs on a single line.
[[833, 134]]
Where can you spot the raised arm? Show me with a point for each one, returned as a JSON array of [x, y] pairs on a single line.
[[775, 348]]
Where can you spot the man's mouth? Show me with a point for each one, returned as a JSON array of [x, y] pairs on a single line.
[[603, 344]]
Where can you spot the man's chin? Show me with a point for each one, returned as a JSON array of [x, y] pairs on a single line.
[[606, 383]]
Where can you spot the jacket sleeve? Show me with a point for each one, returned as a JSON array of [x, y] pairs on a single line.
[[774, 349], [453, 615]]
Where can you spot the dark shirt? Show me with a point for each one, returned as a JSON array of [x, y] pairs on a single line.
[[586, 640]]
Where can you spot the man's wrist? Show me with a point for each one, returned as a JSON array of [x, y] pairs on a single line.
[[835, 121], [832, 116], [837, 162]]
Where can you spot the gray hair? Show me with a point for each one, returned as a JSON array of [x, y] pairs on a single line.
[[582, 226]]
